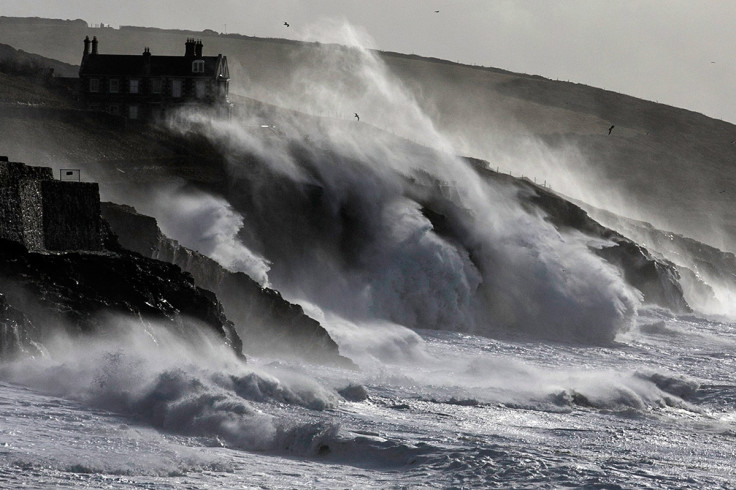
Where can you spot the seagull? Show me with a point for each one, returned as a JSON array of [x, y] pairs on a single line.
[[286, 24], [611, 128], [436, 11], [357, 116]]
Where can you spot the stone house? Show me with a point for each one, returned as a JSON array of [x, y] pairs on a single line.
[[145, 86]]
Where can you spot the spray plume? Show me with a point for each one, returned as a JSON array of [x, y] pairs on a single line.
[[500, 269]]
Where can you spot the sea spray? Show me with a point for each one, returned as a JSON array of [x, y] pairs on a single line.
[[191, 386], [207, 224], [361, 243]]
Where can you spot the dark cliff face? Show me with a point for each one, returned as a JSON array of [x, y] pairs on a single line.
[[267, 322], [76, 291], [657, 279], [17, 333]]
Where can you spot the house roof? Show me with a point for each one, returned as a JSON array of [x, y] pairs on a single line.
[[135, 65]]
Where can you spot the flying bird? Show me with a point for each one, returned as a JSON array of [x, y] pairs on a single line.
[[286, 24], [611, 128], [357, 116], [436, 11]]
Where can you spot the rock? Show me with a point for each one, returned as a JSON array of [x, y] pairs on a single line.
[[268, 322], [17, 334], [74, 291], [354, 393]]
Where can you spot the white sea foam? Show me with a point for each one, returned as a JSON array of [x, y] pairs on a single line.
[[192, 386]]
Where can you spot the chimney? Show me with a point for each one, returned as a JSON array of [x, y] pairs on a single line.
[[189, 53], [94, 45], [86, 45], [198, 49], [147, 61]]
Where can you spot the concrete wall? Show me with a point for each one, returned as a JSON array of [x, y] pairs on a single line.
[[71, 215]]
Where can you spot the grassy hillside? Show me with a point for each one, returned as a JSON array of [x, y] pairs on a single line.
[[668, 166]]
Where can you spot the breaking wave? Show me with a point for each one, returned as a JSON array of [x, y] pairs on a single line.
[[360, 220], [198, 389]]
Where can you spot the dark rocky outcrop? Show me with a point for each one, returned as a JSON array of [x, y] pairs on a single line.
[[62, 269], [268, 322], [656, 278], [17, 333], [77, 291]]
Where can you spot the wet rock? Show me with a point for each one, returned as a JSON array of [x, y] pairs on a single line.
[[269, 323], [75, 291]]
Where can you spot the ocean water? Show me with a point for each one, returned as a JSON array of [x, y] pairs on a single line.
[[494, 350], [427, 409]]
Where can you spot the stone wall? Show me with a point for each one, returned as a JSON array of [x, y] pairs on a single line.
[[31, 208], [45, 214], [11, 220], [71, 215], [20, 203]]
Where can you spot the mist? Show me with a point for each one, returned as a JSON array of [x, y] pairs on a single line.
[[207, 224], [375, 254]]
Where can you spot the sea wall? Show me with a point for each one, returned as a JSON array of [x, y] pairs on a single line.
[[20, 213], [71, 215], [41, 213]]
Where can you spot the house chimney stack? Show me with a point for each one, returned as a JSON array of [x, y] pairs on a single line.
[[198, 49], [86, 45], [189, 53], [94, 45], [147, 61]]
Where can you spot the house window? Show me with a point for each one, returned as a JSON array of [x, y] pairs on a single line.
[[134, 86], [133, 112], [156, 85], [222, 89], [94, 85], [198, 66], [114, 85], [176, 88], [199, 89], [114, 109]]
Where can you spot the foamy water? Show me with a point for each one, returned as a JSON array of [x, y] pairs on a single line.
[[656, 410], [595, 391]]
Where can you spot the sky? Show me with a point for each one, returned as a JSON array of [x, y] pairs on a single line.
[[678, 52]]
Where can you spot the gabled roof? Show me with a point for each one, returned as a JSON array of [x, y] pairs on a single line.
[[135, 65]]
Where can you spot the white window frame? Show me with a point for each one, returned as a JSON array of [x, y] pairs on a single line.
[[94, 85], [198, 66], [134, 86], [114, 85]]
